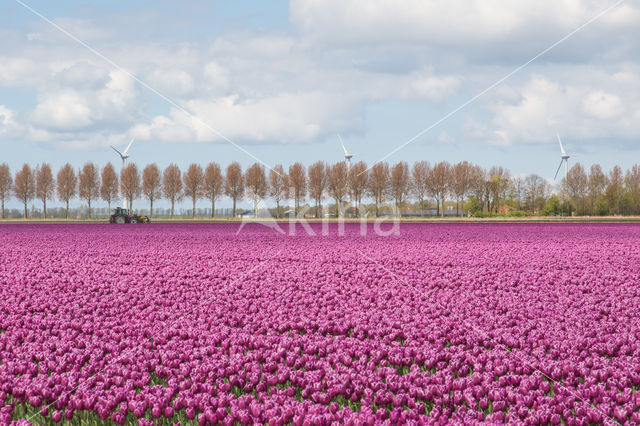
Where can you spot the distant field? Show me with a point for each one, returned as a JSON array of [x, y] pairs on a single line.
[[579, 219]]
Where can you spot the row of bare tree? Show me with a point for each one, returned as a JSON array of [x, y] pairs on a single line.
[[488, 189], [595, 192]]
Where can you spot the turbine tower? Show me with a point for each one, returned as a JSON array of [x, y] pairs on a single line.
[[564, 158], [347, 155], [124, 155]]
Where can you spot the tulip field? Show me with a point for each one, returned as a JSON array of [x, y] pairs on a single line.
[[196, 323]]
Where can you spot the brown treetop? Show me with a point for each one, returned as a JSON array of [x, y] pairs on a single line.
[[234, 182], [67, 183], [45, 184], [89, 182], [256, 182], [130, 181], [193, 179], [213, 185], [172, 182], [110, 184], [151, 182], [24, 185]]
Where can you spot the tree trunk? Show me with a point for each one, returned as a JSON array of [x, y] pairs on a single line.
[[193, 213], [109, 205], [377, 213], [173, 201], [89, 202], [150, 207], [213, 206], [66, 215], [277, 209], [25, 208], [234, 206], [437, 207], [3, 207], [44, 202]]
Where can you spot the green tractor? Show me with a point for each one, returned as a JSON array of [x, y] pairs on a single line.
[[121, 215]]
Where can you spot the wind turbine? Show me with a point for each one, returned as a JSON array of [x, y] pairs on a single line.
[[347, 159], [124, 155], [564, 158], [347, 155]]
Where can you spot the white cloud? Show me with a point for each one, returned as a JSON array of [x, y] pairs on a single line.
[[445, 138], [66, 110], [297, 87], [452, 22], [587, 104], [286, 118], [9, 127], [173, 83], [602, 105], [436, 88]]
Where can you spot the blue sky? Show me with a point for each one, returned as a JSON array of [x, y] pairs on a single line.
[[282, 78]]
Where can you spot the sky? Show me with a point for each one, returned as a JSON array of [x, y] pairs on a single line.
[[200, 81]]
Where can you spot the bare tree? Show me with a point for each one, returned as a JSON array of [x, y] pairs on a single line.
[[172, 184], [378, 187], [337, 184], [597, 183], [151, 184], [110, 184], [419, 175], [438, 184], [317, 184], [67, 185], [45, 185], [499, 180], [24, 186], [130, 183], [615, 189], [278, 186], [298, 181], [89, 184], [479, 185], [632, 186], [213, 185], [234, 184], [357, 183], [576, 185], [537, 191], [6, 184], [257, 186], [193, 180], [400, 180], [517, 190], [461, 181]]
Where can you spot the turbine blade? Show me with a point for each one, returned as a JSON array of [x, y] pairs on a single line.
[[342, 143], [119, 153], [129, 146], [561, 147], [554, 178]]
